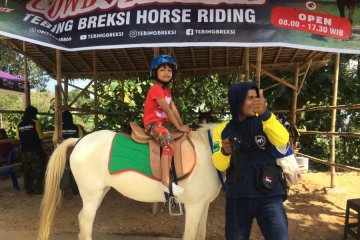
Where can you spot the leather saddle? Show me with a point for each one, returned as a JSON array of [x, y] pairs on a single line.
[[184, 152]]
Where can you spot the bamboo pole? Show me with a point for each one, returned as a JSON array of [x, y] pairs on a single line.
[[247, 65], [324, 108], [321, 161], [90, 92], [48, 134], [10, 140], [58, 120], [305, 75], [272, 86], [156, 52], [81, 93], [96, 100], [258, 66], [233, 69], [26, 77], [321, 108], [295, 95], [15, 165], [240, 78], [336, 134], [85, 111], [22, 112], [333, 117]]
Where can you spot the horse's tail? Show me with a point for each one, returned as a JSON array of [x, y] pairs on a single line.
[[52, 192]]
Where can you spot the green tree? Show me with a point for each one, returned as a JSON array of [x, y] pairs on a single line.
[[12, 62]]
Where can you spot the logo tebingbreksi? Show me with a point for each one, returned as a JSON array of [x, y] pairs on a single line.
[[60, 9]]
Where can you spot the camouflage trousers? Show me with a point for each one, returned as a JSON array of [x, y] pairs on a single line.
[[34, 163]]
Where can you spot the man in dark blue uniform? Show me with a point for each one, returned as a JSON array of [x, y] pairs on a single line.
[[253, 185], [29, 132]]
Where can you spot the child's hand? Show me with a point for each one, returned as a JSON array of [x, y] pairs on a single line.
[[184, 129]]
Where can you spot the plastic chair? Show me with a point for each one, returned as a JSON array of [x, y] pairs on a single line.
[[11, 159], [353, 204]]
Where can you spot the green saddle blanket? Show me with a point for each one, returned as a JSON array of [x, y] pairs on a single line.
[[127, 155]]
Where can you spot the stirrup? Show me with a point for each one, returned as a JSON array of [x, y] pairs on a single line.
[[175, 207]]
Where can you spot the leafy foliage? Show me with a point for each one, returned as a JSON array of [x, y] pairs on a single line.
[[43, 101], [316, 91]]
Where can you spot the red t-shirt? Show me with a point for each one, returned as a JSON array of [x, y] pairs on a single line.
[[152, 110]]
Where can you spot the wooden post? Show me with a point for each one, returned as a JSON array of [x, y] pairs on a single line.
[[58, 118], [247, 65], [258, 66], [333, 117], [66, 92], [295, 94], [155, 205], [240, 77], [96, 100], [156, 52], [26, 78], [294, 100]]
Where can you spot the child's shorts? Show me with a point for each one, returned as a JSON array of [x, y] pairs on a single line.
[[162, 135]]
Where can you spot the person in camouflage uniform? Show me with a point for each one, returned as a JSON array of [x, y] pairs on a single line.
[[29, 132], [34, 170]]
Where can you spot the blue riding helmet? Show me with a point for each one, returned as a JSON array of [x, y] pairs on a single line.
[[158, 61]]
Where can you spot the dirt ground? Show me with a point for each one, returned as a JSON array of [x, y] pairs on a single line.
[[313, 215]]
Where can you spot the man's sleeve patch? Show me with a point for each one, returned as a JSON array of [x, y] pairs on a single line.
[[216, 147]]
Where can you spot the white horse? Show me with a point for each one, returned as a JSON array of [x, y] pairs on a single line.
[[89, 164]]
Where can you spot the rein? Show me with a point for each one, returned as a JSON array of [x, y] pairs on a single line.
[[221, 179]]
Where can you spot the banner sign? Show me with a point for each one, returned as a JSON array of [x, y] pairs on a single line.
[[11, 83], [97, 24]]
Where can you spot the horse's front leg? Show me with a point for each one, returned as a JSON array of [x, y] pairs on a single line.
[[201, 233], [193, 214]]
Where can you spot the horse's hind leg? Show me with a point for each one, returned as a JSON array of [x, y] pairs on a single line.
[[91, 202]]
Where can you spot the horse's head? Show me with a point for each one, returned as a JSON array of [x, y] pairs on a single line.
[[291, 128], [207, 117]]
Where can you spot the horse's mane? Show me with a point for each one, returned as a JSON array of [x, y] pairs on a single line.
[[201, 134]]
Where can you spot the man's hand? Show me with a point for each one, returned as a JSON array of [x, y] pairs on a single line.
[[226, 146], [259, 104]]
